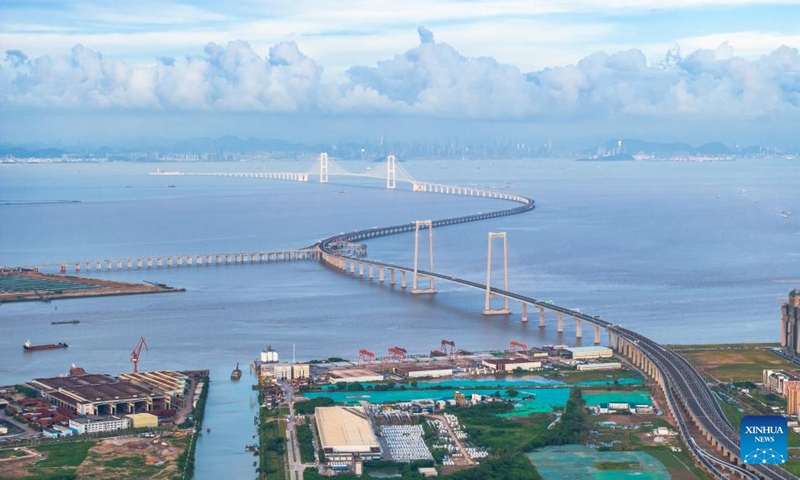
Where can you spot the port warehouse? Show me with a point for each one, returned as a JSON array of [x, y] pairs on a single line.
[[100, 394], [346, 437]]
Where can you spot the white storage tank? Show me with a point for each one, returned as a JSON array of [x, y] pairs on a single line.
[[269, 355]]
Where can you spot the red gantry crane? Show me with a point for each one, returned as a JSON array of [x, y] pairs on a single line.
[[365, 356], [135, 353], [449, 343], [397, 354], [512, 347]]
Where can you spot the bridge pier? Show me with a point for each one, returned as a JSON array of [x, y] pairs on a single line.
[[352, 267], [560, 328], [391, 277], [380, 274], [149, 263], [524, 312], [360, 269], [578, 328], [403, 279], [138, 264], [371, 272], [596, 335], [541, 317]]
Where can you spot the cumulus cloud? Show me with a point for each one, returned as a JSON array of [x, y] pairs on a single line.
[[431, 79]]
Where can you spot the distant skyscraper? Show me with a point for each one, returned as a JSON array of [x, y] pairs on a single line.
[[790, 323]]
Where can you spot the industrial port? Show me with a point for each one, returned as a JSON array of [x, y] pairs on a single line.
[[152, 416], [349, 416]]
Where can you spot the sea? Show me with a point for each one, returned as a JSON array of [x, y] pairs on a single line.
[[682, 252]]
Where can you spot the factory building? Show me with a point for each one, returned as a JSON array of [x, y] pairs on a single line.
[[285, 371], [354, 375], [98, 394], [423, 371], [510, 364], [143, 420], [587, 367], [171, 383], [346, 437], [790, 323], [587, 353], [95, 424]]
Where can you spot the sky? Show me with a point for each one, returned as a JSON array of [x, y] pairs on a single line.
[[679, 70]]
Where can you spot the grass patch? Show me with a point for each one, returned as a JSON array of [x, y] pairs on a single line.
[[732, 413], [304, 439], [272, 442], [501, 435], [617, 465], [677, 463], [11, 453], [125, 462], [307, 407], [64, 454], [737, 363]]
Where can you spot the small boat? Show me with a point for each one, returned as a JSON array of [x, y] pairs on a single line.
[[236, 374], [171, 185], [65, 322], [29, 347]]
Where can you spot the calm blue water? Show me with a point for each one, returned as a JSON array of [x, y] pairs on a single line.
[[683, 252]]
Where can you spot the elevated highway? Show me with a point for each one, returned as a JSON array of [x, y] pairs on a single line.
[[689, 398]]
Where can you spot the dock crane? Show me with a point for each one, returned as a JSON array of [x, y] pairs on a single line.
[[512, 347], [135, 353], [449, 343], [365, 356], [397, 354]]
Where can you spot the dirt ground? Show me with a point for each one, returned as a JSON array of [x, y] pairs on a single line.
[[126, 457], [17, 467], [160, 460]]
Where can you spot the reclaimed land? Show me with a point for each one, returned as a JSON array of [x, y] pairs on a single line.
[[29, 286], [738, 362]]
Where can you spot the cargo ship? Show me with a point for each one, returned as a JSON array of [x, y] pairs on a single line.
[[65, 322], [236, 374], [29, 347]]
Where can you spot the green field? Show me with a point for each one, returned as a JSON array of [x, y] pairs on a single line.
[[734, 364], [62, 460], [13, 283]]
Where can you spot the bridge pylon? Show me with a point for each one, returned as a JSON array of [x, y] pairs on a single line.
[[414, 282], [391, 173], [488, 307], [323, 167]]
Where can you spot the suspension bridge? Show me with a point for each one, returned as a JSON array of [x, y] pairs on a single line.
[[691, 403]]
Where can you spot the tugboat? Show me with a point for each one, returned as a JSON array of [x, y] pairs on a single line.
[[236, 374], [29, 347]]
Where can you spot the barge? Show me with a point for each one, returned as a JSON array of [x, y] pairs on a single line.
[[29, 347]]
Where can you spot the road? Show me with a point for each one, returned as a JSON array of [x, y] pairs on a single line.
[[689, 397]]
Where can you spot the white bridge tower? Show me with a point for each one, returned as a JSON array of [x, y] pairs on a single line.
[[391, 181], [429, 225], [487, 309], [323, 167]]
